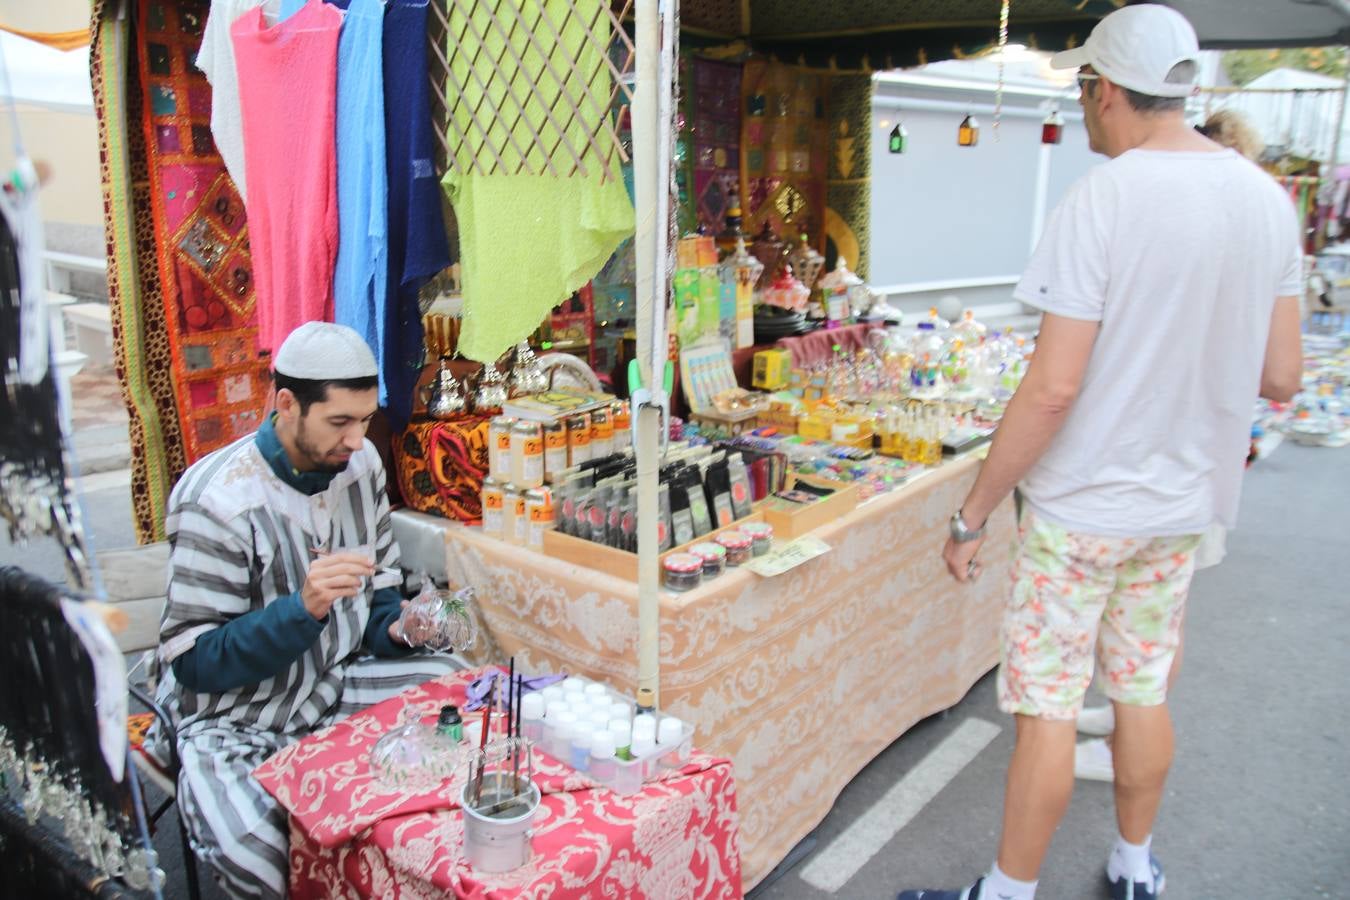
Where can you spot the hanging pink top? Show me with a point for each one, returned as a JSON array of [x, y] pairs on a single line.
[[287, 98]]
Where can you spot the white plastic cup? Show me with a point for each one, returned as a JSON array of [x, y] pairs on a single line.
[[618, 709], [574, 684], [597, 691], [551, 693], [603, 765]]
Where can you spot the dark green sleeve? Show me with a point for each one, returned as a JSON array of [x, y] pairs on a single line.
[[385, 608], [249, 648]]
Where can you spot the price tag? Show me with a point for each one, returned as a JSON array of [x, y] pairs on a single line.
[[788, 556]]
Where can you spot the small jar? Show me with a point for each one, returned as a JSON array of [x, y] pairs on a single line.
[[738, 545], [682, 571], [761, 533], [714, 557]]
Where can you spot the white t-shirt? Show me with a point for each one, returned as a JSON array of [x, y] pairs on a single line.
[[1180, 256], [216, 60]]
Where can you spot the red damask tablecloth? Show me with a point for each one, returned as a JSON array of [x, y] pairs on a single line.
[[352, 836]]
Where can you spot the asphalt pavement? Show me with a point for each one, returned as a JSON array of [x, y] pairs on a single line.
[[1258, 804]]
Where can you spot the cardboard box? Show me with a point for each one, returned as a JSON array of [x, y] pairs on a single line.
[[620, 563], [792, 520]]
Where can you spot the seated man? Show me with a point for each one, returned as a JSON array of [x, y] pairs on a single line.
[[280, 597]]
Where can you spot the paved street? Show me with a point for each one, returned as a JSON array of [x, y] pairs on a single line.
[[1259, 802]]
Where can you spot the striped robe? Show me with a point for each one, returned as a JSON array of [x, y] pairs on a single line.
[[241, 537]]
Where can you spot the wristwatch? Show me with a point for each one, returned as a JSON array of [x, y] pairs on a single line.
[[961, 533]]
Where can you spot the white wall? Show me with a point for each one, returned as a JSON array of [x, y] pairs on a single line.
[[944, 213]]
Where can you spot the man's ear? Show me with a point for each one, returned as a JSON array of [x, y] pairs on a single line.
[[288, 407]]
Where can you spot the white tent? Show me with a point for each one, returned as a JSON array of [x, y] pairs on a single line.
[[42, 76], [1295, 111]]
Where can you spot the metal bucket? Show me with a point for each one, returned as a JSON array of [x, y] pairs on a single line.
[[499, 842]]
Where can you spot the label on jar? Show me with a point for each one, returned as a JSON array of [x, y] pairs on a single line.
[[539, 516], [555, 447], [520, 523], [492, 510], [532, 462]]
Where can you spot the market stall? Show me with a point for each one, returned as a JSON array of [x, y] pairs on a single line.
[[872, 632]]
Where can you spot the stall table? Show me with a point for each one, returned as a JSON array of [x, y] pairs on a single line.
[[800, 679], [353, 836]]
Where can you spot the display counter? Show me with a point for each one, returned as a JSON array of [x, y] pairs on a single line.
[[801, 679]]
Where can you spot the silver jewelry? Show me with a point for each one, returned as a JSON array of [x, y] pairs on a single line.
[[962, 533]]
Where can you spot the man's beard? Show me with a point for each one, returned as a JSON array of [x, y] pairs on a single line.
[[316, 457]]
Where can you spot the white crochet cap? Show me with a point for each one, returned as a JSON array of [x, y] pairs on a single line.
[[323, 351]]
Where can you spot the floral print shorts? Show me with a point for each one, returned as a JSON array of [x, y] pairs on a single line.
[[1076, 593]]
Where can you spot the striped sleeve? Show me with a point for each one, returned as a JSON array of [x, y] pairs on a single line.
[[208, 578], [386, 549]]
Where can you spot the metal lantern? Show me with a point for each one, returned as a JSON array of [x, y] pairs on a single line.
[[1052, 129], [899, 138], [968, 135]]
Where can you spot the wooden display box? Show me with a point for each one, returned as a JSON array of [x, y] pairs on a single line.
[[620, 563], [792, 520]]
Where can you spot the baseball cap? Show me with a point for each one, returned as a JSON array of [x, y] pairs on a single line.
[[1135, 47]]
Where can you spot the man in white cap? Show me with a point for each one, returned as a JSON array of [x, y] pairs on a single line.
[[282, 608], [1168, 278]]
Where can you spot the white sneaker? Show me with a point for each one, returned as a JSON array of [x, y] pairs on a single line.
[[1098, 721], [1092, 761]]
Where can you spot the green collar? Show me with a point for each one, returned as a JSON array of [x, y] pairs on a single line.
[[269, 445]]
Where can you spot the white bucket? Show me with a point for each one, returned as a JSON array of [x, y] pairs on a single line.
[[498, 843]]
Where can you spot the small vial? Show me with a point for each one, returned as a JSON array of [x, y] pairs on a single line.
[[623, 738], [580, 756], [620, 710], [599, 719], [596, 691], [551, 693], [669, 736], [603, 766], [573, 684], [564, 727], [532, 716]]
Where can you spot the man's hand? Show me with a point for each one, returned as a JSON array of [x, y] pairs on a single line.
[[394, 634], [960, 559], [331, 577]]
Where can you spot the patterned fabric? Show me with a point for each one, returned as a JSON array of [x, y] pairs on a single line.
[[441, 465], [710, 103], [784, 148], [849, 189], [754, 661], [351, 836], [141, 342], [1073, 592], [201, 237], [233, 823]]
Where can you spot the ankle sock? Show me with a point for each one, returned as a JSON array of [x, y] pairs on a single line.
[[998, 886], [1131, 861]]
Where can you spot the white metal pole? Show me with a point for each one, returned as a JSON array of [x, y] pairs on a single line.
[[651, 196]]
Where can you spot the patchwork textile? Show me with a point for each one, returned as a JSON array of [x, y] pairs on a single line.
[[141, 342], [201, 237]]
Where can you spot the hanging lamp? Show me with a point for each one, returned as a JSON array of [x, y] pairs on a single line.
[[899, 138], [1052, 129], [968, 135]]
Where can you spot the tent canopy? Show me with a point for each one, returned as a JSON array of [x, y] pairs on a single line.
[[868, 35]]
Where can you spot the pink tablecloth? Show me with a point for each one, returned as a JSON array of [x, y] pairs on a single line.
[[351, 836]]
